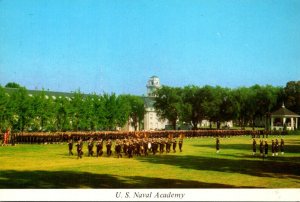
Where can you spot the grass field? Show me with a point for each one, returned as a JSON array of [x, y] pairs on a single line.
[[198, 166]]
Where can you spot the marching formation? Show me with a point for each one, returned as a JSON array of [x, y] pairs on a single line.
[[127, 147], [140, 143]]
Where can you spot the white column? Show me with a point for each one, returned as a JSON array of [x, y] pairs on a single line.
[[146, 121], [296, 123], [284, 119], [272, 120], [292, 124]]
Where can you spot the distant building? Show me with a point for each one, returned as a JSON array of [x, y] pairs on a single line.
[[48, 94], [151, 119], [284, 119], [128, 126]]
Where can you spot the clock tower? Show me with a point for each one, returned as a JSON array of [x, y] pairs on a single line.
[[152, 85]]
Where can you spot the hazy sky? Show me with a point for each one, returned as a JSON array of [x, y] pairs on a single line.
[[116, 45]]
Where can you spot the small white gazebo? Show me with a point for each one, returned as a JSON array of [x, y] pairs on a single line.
[[284, 118]]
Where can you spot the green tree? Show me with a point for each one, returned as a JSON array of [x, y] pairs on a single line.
[[136, 111], [5, 111], [88, 114], [43, 111], [168, 104], [244, 102], [12, 85], [228, 107], [21, 105], [62, 113], [292, 96], [100, 112], [110, 111], [266, 99], [223, 105], [91, 103], [123, 110], [190, 111], [211, 101], [77, 111]]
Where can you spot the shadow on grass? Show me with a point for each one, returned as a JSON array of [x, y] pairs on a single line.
[[294, 141], [255, 167], [292, 148], [71, 179]]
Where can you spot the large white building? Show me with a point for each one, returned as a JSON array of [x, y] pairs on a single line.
[[151, 120]]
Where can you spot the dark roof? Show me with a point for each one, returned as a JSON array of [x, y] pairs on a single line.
[[49, 93], [284, 112], [154, 76]]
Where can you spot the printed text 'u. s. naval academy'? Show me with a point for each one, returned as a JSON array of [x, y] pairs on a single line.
[[149, 195]]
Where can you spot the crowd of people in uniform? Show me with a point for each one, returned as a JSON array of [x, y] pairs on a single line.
[[264, 147], [61, 137], [140, 142], [143, 146], [128, 147]]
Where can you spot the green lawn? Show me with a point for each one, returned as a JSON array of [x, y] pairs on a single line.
[[198, 166]]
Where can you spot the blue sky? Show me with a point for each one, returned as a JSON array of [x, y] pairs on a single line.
[[116, 45]]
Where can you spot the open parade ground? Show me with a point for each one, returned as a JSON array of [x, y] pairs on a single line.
[[197, 166]]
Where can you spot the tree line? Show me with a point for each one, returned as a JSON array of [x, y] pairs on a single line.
[[79, 112], [243, 105], [180, 105]]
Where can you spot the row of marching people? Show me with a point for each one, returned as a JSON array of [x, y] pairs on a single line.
[[264, 147], [128, 147]]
